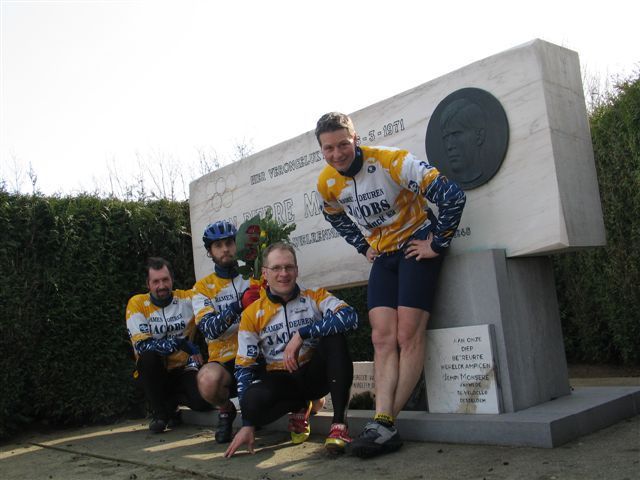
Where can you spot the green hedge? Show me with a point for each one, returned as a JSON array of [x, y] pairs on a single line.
[[360, 345], [68, 267], [599, 289]]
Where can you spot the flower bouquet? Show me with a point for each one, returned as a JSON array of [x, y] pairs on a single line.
[[254, 235]]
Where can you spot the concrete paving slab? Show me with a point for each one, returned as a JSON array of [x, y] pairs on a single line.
[[128, 451], [586, 410]]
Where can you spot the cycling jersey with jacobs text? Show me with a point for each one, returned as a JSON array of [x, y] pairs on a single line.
[[268, 324], [386, 201], [216, 302], [155, 328]]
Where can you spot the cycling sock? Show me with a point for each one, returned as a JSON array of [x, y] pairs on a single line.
[[383, 419]]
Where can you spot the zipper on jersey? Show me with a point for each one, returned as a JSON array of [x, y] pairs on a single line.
[[355, 191], [164, 317], [286, 321], [236, 291]]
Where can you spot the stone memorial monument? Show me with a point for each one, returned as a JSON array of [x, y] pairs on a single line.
[[513, 130]]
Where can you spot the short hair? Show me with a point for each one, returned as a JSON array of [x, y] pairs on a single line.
[[156, 263], [469, 114], [279, 246], [332, 121]]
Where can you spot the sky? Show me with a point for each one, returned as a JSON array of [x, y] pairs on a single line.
[[92, 91]]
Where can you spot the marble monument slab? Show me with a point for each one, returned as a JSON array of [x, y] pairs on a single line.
[[543, 199]]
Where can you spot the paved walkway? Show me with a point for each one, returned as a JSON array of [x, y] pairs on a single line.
[[128, 451]]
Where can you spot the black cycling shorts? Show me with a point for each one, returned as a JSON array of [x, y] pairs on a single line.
[[397, 281]]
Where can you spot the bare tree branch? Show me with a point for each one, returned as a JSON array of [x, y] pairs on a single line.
[[158, 176]]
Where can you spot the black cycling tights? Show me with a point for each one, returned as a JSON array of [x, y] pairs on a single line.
[[329, 371], [165, 390]]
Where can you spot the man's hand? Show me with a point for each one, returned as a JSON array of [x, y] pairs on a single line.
[[291, 352], [188, 347], [420, 249], [245, 435], [371, 254], [250, 295]]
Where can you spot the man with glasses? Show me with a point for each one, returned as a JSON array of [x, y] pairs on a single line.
[[299, 332]]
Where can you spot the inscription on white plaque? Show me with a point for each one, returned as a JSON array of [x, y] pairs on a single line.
[[460, 370]]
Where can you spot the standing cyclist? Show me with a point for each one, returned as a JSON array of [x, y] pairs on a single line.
[[378, 198]]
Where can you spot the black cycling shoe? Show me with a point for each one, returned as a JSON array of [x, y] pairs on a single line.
[[158, 425], [224, 431], [375, 439]]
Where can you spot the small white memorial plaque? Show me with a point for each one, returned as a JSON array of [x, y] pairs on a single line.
[[460, 370]]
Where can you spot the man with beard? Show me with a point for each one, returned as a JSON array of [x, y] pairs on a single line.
[[218, 301], [158, 323]]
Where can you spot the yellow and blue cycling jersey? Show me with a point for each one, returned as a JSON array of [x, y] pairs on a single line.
[[160, 329], [386, 200], [268, 324], [217, 306]]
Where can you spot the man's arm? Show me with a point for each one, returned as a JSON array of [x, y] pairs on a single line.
[[209, 320], [140, 331], [214, 324], [166, 346], [424, 179], [347, 230], [246, 356], [339, 321], [450, 199], [338, 317], [142, 340], [334, 213], [244, 377]]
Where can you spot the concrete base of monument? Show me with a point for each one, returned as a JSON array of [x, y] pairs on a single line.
[[551, 424]]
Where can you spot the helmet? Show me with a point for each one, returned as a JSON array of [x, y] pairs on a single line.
[[218, 231]]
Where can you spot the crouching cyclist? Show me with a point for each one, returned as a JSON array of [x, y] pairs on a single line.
[[218, 301], [158, 323], [300, 334]]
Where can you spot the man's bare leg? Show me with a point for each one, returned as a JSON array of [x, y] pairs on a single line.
[[384, 324], [412, 324]]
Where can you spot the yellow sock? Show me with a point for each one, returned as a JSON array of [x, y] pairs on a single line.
[[384, 419]]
